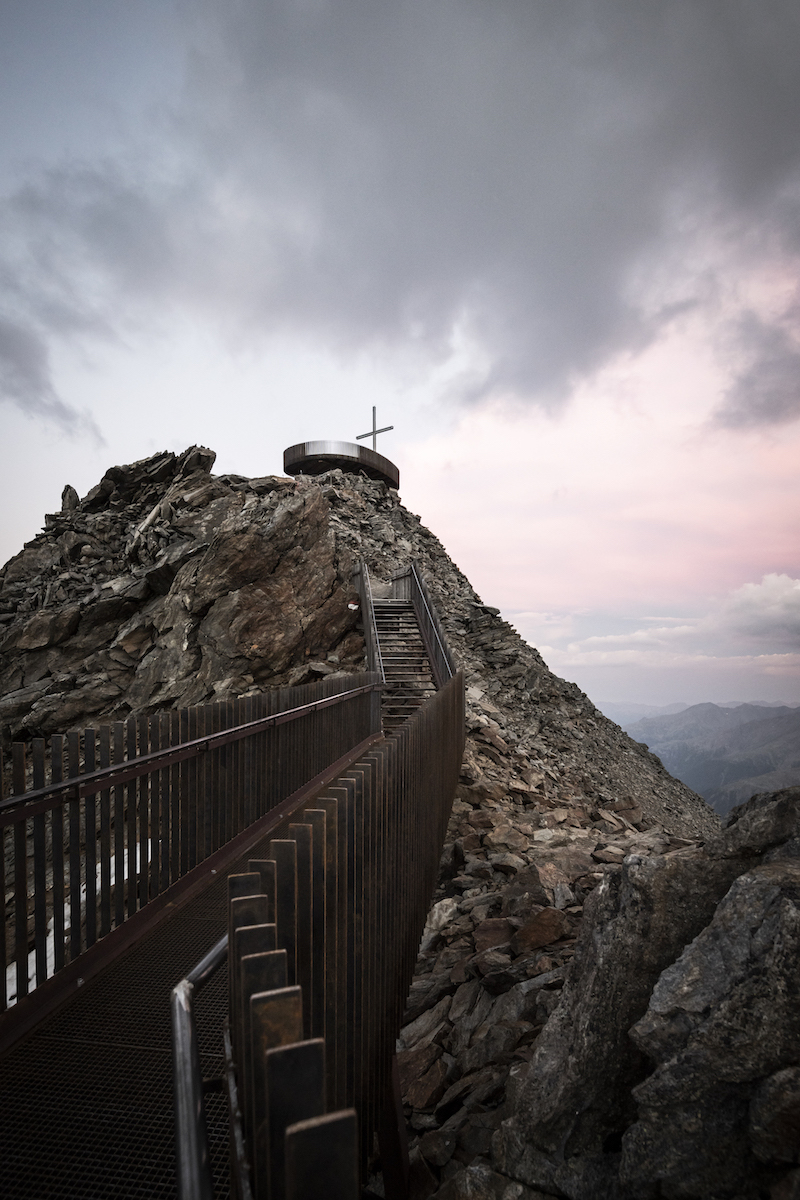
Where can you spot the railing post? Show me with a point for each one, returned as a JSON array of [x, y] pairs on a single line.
[[284, 854], [258, 973], [75, 857], [90, 839], [276, 1020], [105, 835], [295, 1086], [39, 870], [243, 886], [246, 912], [20, 874], [301, 836], [316, 819], [57, 835], [323, 1148]]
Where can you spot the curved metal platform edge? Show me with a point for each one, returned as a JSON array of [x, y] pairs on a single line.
[[314, 458]]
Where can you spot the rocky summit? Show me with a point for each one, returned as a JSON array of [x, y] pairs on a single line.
[[606, 997]]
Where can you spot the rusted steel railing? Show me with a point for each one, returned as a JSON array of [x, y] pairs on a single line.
[[372, 643], [129, 809], [409, 584], [323, 937]]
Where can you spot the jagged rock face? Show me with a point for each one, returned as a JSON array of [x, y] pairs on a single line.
[[671, 1067], [641, 918], [722, 1024], [168, 586]]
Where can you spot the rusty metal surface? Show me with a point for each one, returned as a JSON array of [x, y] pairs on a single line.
[[359, 872], [323, 1148], [87, 1099], [372, 644], [372, 826], [295, 1076], [409, 679], [20, 1019], [87, 1102], [405, 642], [241, 1184], [94, 847], [89, 783]]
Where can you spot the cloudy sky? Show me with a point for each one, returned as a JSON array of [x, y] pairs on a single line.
[[555, 242]]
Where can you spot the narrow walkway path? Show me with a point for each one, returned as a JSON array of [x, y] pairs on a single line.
[[86, 1101], [409, 681]]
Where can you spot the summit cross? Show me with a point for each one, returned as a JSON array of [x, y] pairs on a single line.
[[373, 433]]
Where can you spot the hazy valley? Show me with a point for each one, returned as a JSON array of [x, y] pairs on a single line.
[[725, 753]]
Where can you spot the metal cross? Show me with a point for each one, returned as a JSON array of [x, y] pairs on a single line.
[[373, 433]]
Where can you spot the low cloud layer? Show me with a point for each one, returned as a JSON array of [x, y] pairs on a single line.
[[555, 184], [767, 612], [753, 634]]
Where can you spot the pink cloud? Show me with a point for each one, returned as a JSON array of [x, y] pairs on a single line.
[[632, 497]]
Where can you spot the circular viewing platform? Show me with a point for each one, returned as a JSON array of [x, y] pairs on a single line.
[[313, 458]]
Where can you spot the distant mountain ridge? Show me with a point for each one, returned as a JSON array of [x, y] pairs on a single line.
[[626, 714], [726, 754]]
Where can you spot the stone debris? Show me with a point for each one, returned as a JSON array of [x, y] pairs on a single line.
[[568, 1006], [656, 1053], [166, 586]]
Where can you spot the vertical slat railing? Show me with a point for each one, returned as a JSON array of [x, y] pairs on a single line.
[[90, 841], [372, 644], [105, 835], [59, 921], [20, 876], [85, 855], [75, 857], [355, 868], [120, 826], [39, 870], [4, 948]]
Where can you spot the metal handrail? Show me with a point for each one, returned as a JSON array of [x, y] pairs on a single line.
[[374, 656], [104, 843], [410, 583], [443, 648], [145, 764], [414, 772]]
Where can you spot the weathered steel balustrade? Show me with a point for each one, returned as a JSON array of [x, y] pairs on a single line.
[[323, 938], [132, 808]]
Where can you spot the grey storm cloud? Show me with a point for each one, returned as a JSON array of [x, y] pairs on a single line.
[[767, 389], [25, 376], [380, 174]]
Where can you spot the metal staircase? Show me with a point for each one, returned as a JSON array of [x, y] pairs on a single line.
[[407, 668]]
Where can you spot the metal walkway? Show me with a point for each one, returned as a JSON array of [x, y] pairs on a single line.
[[86, 1098], [86, 1102]]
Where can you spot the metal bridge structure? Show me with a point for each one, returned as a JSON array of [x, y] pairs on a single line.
[[296, 831]]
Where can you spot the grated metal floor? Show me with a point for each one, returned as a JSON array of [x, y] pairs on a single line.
[[86, 1101]]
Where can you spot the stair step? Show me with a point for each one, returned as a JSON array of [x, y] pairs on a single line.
[[406, 666]]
